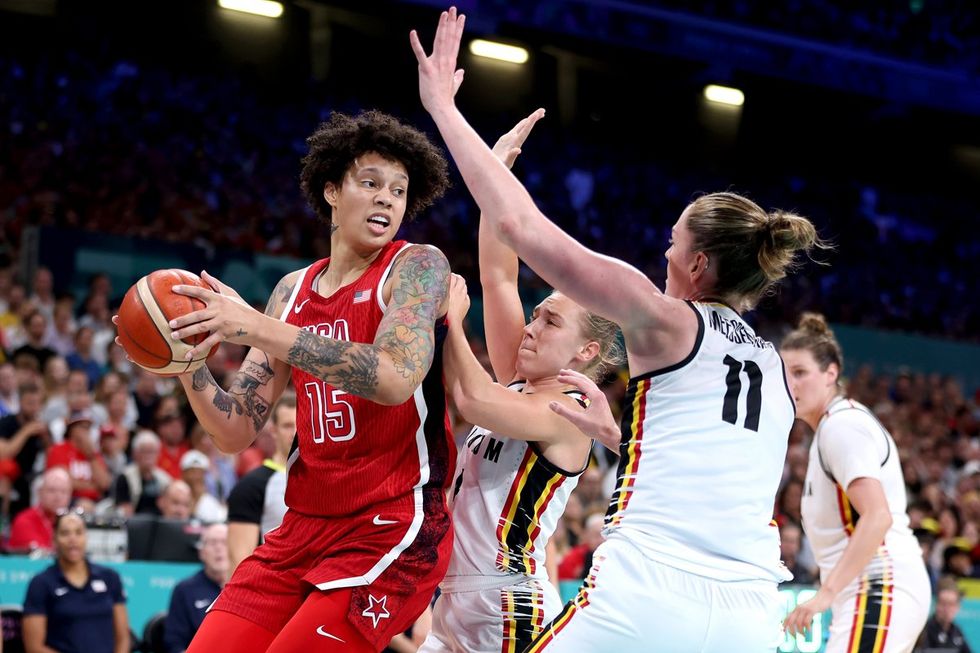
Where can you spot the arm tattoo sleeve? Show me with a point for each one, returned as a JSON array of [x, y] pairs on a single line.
[[406, 333]]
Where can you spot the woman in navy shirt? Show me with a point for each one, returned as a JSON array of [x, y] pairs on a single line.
[[74, 606]]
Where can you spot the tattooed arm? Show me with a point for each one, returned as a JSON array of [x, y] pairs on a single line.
[[234, 417], [386, 371], [390, 369]]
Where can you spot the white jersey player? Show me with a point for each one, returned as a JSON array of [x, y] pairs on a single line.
[[653, 584], [854, 509], [517, 468]]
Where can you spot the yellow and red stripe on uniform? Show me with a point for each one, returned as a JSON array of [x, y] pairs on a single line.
[[872, 613], [522, 610], [848, 515], [520, 520], [629, 450], [580, 602]]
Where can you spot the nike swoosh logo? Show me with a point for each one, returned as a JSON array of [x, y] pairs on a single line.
[[381, 522], [321, 631], [299, 307]]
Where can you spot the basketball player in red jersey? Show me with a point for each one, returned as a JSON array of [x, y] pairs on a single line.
[[367, 535]]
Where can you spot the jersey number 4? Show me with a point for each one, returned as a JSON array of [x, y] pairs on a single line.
[[332, 416], [753, 402]]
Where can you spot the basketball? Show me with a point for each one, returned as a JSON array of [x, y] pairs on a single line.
[[144, 318]]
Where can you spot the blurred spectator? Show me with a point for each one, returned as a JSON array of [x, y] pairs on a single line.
[[790, 540], [176, 501], [590, 492], [12, 318], [193, 466], [146, 393], [170, 428], [193, 596], [42, 296], [577, 562], [35, 330], [82, 358], [9, 401], [142, 482], [33, 528], [112, 448], [98, 317], [58, 383], [74, 605], [940, 633], [258, 502], [22, 439], [61, 330], [957, 562], [88, 471], [221, 475]]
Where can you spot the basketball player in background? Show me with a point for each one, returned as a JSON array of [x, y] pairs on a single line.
[[521, 462], [872, 574], [691, 559], [367, 535]]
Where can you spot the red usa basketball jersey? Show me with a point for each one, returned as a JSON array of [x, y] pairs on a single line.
[[354, 453]]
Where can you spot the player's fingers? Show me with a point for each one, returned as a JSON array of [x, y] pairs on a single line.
[[115, 319], [457, 80], [203, 347], [417, 48], [191, 318], [563, 411], [580, 381], [203, 294], [193, 329]]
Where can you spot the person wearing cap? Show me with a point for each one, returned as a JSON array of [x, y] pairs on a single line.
[[88, 471], [193, 466], [111, 447]]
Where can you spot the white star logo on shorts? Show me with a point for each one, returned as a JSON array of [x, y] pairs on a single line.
[[377, 609]]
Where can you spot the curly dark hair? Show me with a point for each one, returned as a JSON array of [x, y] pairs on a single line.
[[337, 142]]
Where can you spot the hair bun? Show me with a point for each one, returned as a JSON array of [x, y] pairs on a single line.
[[814, 323]]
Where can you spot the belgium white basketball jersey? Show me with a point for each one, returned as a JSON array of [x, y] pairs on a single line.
[[702, 454], [507, 499], [851, 443]]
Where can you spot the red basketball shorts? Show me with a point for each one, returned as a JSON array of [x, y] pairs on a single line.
[[392, 556]]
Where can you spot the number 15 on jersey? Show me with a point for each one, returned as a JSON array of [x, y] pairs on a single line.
[[332, 416]]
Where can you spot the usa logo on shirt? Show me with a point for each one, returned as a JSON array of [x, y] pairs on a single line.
[[361, 296]]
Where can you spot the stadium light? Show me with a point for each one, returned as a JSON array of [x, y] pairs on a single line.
[[259, 7], [498, 51], [724, 95]]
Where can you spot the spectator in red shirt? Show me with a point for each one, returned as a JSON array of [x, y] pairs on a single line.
[[78, 454], [171, 429], [33, 528], [576, 563]]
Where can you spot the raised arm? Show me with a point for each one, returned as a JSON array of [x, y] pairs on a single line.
[[601, 284], [386, 371], [503, 312], [491, 405]]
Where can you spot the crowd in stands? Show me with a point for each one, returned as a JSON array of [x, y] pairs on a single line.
[[943, 35]]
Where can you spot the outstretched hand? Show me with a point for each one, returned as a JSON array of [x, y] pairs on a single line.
[[597, 420], [508, 146], [439, 78], [800, 620], [226, 316]]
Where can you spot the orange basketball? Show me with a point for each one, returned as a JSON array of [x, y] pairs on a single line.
[[144, 318]]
